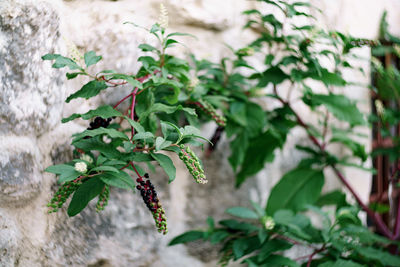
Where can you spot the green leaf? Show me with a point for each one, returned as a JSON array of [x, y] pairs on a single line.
[[242, 212], [335, 197], [159, 107], [238, 150], [161, 143], [166, 129], [170, 42], [244, 246], [143, 135], [91, 58], [62, 62], [147, 48], [186, 237], [381, 256], [272, 75], [104, 112], [60, 168], [268, 59], [129, 78], [239, 247], [329, 78], [167, 164], [89, 90], [218, 236], [67, 172], [114, 162], [272, 246], [155, 28], [84, 194], [94, 144], [105, 168], [139, 157], [238, 112], [278, 260], [50, 56], [118, 179], [258, 209], [341, 263], [139, 128], [300, 187], [180, 34], [149, 63], [74, 75], [99, 131], [68, 176], [255, 119], [357, 148], [341, 107], [260, 151], [242, 226], [192, 132]]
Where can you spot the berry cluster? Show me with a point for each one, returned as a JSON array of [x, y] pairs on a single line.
[[192, 162], [99, 122], [103, 199], [210, 111], [149, 196], [62, 195]]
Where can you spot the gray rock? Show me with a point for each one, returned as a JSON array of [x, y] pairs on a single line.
[[9, 241], [30, 92], [19, 171]]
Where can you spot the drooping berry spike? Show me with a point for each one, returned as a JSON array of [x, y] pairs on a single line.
[[149, 195], [63, 194], [192, 162], [103, 199], [210, 111], [99, 122]]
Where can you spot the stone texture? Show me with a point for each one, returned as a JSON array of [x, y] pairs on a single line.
[[30, 93], [19, 170], [9, 241]]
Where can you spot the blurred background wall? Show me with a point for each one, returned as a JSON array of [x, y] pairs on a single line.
[[32, 136]]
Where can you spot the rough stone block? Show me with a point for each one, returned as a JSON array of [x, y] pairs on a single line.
[[9, 241], [30, 92], [19, 170]]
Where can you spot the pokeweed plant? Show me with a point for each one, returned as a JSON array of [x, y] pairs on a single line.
[[309, 61], [117, 141]]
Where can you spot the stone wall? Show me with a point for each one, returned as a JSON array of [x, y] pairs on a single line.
[[32, 137]]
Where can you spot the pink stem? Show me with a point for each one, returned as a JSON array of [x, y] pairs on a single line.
[[133, 110], [122, 100], [313, 254], [133, 166], [374, 216], [141, 79]]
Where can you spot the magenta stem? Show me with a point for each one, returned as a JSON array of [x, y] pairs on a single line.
[[374, 216], [133, 166], [122, 100]]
